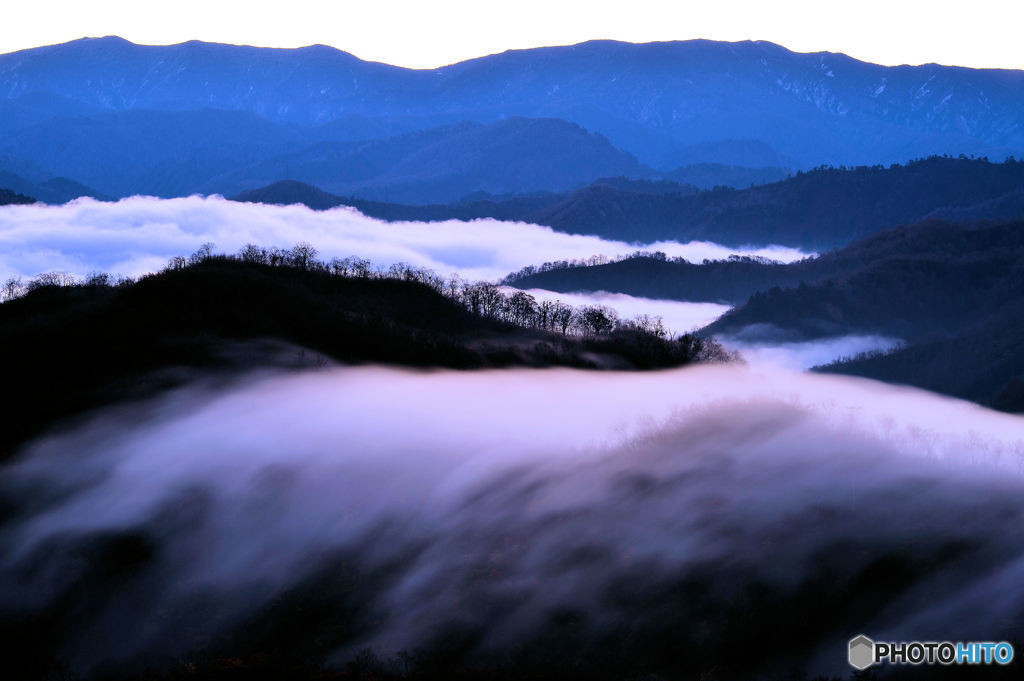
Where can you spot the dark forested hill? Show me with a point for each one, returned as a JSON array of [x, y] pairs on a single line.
[[1005, 207], [288, 192], [101, 343], [292, 192], [912, 281], [955, 293], [820, 209], [915, 282], [984, 362], [725, 281], [8, 197]]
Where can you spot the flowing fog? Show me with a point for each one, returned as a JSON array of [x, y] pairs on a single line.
[[806, 354], [662, 520], [138, 235], [678, 316]]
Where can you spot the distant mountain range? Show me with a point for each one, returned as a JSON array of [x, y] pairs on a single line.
[[226, 152], [201, 117], [55, 190], [816, 210]]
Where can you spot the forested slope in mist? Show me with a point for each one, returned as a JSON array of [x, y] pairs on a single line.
[[71, 346], [912, 282]]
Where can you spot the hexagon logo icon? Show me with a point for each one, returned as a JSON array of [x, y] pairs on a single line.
[[862, 652]]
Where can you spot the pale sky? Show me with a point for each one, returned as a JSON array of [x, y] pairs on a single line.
[[429, 33]]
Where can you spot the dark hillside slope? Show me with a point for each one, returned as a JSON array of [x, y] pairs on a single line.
[[954, 293], [733, 281], [8, 197], [914, 282], [1005, 207], [730, 282], [288, 192], [292, 192], [983, 363], [816, 210]]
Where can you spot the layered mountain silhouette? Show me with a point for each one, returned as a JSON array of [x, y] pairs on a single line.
[[202, 117], [55, 190], [225, 152], [607, 138], [158, 153], [516, 155], [817, 210]]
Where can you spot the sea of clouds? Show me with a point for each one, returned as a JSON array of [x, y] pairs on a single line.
[[138, 235], [811, 353]]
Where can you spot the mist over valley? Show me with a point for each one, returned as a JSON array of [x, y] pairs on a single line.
[[610, 361]]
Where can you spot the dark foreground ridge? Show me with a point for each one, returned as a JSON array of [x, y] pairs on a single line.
[[102, 342]]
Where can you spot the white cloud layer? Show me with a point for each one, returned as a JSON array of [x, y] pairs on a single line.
[[807, 354], [677, 316], [139, 234]]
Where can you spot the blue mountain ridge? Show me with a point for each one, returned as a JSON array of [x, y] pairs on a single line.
[[811, 108], [207, 117]]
